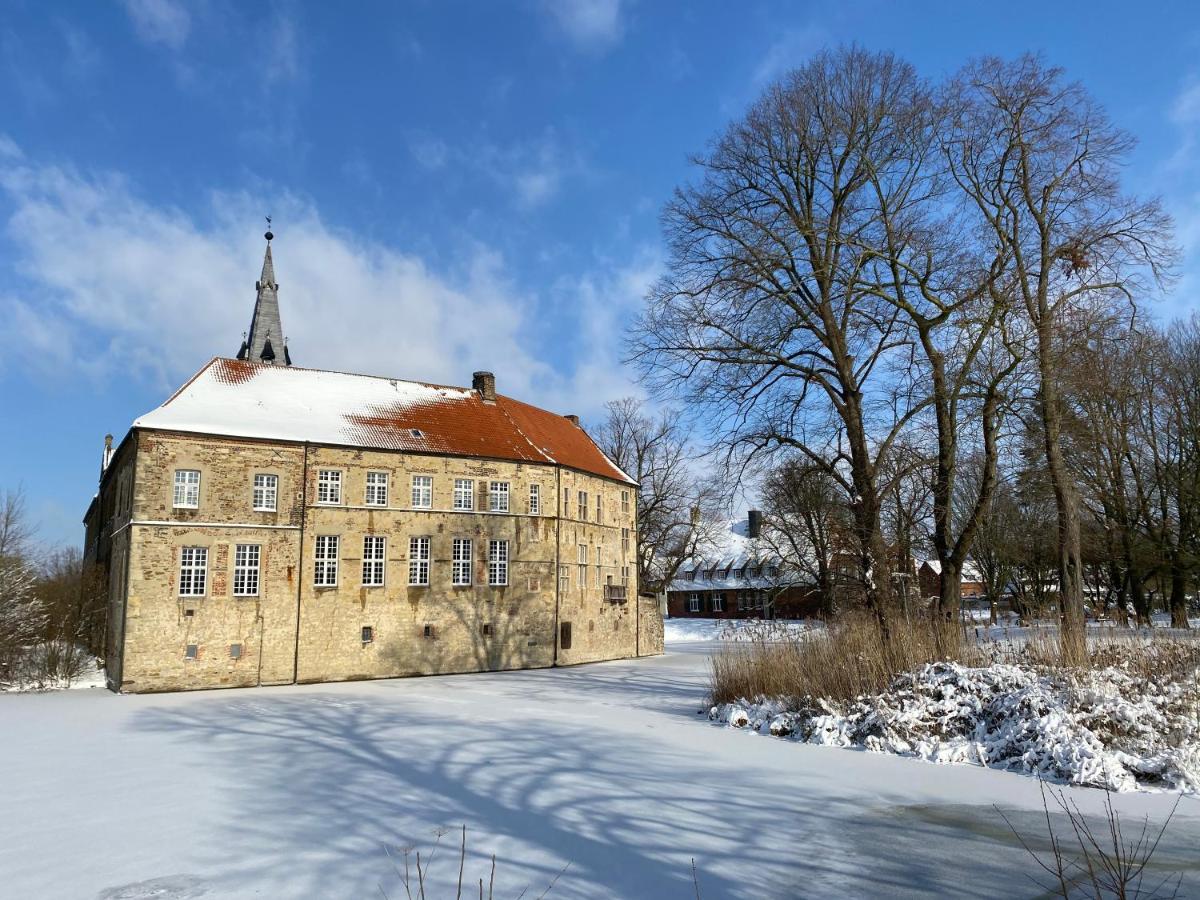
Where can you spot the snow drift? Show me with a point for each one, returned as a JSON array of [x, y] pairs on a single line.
[[1103, 728]]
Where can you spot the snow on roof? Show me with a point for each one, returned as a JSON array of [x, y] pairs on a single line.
[[735, 552], [970, 572], [252, 400]]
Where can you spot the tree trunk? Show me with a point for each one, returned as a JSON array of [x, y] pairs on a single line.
[[1072, 627], [1179, 616]]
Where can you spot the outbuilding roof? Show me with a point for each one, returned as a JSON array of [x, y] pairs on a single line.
[[234, 398]]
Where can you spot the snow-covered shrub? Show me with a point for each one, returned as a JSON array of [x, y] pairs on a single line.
[[1106, 727], [22, 618]]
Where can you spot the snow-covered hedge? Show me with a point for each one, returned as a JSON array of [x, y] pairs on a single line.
[[1105, 728]]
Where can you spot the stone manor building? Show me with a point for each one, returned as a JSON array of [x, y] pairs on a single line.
[[270, 524]]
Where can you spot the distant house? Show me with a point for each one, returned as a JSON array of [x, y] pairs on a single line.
[[741, 579], [929, 577]]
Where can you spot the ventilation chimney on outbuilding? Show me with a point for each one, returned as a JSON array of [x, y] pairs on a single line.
[[573, 419], [485, 383], [754, 521]]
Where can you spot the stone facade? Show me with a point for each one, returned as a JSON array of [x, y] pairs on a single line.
[[569, 594]]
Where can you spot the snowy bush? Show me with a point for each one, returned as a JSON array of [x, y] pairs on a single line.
[[22, 618], [1107, 727]]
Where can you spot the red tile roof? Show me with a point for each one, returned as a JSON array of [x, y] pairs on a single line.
[[245, 399]]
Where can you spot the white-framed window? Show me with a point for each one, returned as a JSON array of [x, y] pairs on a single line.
[[498, 496], [193, 571], [498, 562], [325, 560], [266, 492], [718, 603], [329, 486], [599, 516], [460, 561], [624, 541], [372, 560], [418, 560], [564, 578], [694, 603], [583, 566], [625, 575], [187, 489], [245, 569], [625, 503], [583, 505], [464, 493], [422, 492], [535, 499], [377, 489]]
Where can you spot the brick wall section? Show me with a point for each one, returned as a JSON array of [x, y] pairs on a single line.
[[296, 630]]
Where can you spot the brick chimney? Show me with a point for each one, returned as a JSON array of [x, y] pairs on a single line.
[[573, 419], [485, 383], [754, 521]]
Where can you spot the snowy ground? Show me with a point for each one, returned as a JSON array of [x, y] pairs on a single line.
[[290, 792], [682, 630]]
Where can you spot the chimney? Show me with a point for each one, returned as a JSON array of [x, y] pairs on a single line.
[[755, 522], [485, 383], [107, 458], [573, 419]]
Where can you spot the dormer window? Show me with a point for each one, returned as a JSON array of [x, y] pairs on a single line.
[[417, 433]]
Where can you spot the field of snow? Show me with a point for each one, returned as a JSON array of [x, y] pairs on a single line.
[[684, 630], [614, 769]]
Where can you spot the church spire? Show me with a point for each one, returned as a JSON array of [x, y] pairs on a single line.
[[265, 323]]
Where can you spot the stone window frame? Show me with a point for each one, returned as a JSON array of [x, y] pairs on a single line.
[[375, 489], [625, 576], [599, 514], [625, 503], [367, 634], [256, 489], [325, 564], [498, 563], [535, 499], [374, 560], [422, 492], [464, 494], [498, 496], [326, 480], [193, 565], [184, 488], [583, 566], [582, 505], [462, 553], [419, 552], [566, 510], [247, 569], [564, 578]]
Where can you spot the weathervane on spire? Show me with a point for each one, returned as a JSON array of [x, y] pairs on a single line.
[[268, 235]]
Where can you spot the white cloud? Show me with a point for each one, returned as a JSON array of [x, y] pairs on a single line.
[[108, 285], [789, 51], [590, 24], [165, 22]]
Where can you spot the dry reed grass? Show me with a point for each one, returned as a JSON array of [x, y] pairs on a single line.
[[852, 658]]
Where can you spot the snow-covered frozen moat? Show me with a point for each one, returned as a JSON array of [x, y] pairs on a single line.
[[291, 792]]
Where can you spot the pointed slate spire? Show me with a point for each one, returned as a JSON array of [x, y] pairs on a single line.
[[265, 321]]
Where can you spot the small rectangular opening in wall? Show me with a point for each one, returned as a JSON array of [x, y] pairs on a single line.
[[368, 634], [189, 612], [428, 631], [564, 635], [235, 651], [191, 652], [487, 629]]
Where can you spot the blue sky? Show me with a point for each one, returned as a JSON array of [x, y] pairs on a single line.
[[455, 186]]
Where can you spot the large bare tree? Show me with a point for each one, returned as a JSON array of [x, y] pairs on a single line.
[[766, 319], [1041, 162]]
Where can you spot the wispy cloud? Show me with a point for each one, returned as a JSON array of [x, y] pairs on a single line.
[[588, 24], [790, 50], [107, 284], [165, 22]]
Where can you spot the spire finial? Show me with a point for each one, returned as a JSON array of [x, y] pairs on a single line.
[[268, 235]]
